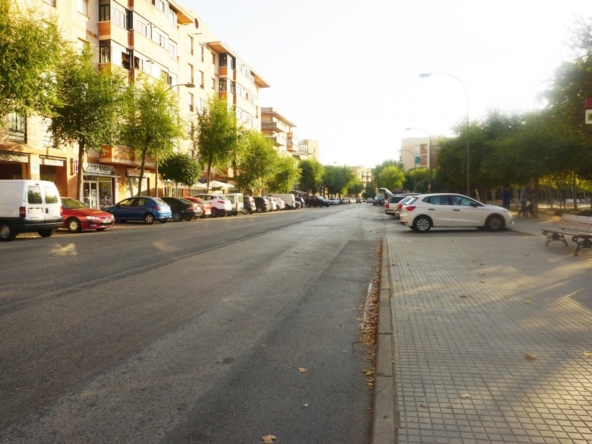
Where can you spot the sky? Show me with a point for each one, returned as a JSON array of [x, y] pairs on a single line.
[[346, 72]]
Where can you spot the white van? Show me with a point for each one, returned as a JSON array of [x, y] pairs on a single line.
[[29, 205], [238, 203], [288, 199]]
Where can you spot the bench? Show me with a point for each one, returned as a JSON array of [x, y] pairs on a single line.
[[578, 227]]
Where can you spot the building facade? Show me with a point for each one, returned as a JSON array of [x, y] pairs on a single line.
[[160, 40], [417, 152]]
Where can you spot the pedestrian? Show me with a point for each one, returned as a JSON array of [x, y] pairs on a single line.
[[523, 203], [530, 207], [506, 198]]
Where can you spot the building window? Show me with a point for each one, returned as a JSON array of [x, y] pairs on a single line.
[[213, 59], [160, 5], [190, 100], [141, 26], [201, 52], [104, 51], [190, 45], [119, 16], [173, 17], [214, 84], [50, 2], [17, 127], [222, 85], [48, 139], [83, 7], [189, 74], [223, 59], [202, 105], [201, 79], [104, 10], [173, 50]]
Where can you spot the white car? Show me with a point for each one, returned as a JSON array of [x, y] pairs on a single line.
[[220, 206], [452, 210]]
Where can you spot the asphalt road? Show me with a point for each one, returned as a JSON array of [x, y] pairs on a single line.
[[210, 331]]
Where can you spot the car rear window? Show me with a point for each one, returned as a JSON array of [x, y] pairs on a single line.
[[411, 200]]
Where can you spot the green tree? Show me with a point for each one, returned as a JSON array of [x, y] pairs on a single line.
[[337, 179], [311, 176], [287, 175], [30, 52], [180, 168], [258, 163], [355, 187], [391, 177], [218, 137], [152, 126], [90, 106], [417, 180]]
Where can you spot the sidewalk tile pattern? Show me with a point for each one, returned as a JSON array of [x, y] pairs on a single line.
[[466, 309]]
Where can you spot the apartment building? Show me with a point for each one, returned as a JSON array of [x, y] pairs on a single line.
[[280, 130], [309, 149], [159, 39], [363, 174], [418, 152]]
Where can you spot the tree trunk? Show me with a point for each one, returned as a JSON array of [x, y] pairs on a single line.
[[141, 173], [80, 179], [575, 193], [208, 177]]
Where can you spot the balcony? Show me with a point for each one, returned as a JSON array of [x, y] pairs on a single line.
[[268, 125], [118, 155]]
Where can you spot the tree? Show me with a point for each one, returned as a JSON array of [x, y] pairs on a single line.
[[337, 179], [285, 177], [89, 107], [257, 163], [218, 136], [152, 124], [30, 52], [311, 176], [180, 168], [355, 187], [391, 177]]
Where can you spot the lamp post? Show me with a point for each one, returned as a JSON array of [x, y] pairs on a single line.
[[428, 74], [429, 154], [187, 85], [414, 167]]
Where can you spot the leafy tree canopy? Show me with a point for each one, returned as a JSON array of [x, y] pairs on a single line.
[[311, 176], [258, 163], [180, 168], [287, 175]]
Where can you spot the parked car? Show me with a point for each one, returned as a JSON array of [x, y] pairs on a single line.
[[183, 208], [423, 212], [370, 200], [237, 201], [278, 203], [288, 199], [77, 217], [399, 206], [317, 201], [392, 202], [301, 201], [206, 208], [220, 206], [262, 205], [249, 203], [358, 200], [146, 208], [27, 206]]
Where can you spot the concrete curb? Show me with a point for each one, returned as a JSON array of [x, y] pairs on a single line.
[[383, 409]]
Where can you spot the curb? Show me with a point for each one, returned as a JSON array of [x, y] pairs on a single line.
[[383, 408]]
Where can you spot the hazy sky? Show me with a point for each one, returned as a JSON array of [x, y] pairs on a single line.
[[346, 71]]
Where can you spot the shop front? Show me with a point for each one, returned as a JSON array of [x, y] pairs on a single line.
[[13, 165], [100, 182]]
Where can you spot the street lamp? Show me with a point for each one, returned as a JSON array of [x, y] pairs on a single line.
[[414, 167], [428, 74], [429, 154], [186, 85]]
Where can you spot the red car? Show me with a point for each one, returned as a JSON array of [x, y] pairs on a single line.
[[78, 217], [207, 208]]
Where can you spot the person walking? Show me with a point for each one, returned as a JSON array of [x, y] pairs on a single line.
[[506, 198], [523, 203]]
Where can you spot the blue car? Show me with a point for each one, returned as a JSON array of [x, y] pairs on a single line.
[[143, 208]]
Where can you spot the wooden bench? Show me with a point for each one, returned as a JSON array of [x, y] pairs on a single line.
[[578, 227]]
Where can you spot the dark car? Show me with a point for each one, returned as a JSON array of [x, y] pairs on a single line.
[[261, 204], [249, 203], [78, 217], [183, 208], [317, 201], [143, 208], [301, 201]]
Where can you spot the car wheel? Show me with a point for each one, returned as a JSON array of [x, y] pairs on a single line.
[[46, 233], [149, 218], [494, 223], [6, 232], [422, 224], [188, 219], [215, 212], [177, 216], [73, 225], [203, 217], [259, 210], [164, 220]]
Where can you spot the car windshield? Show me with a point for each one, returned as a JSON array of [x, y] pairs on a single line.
[[159, 201], [72, 204]]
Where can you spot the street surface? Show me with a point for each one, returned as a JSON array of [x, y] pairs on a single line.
[[210, 331]]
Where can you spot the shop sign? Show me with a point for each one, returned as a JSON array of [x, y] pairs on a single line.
[[53, 162], [95, 168], [14, 157]]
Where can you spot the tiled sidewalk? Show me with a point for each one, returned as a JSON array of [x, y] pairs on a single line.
[[466, 308]]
